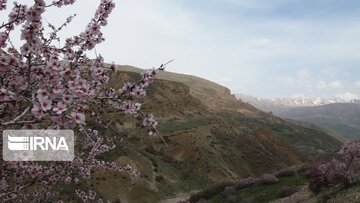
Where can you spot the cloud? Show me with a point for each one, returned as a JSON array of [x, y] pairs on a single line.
[[329, 72], [303, 75], [347, 96], [300, 78], [335, 84], [357, 83], [261, 42], [321, 85]]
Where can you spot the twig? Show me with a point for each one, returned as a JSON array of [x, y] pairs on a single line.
[[19, 122], [13, 21], [161, 137], [14, 121], [161, 68], [149, 100], [156, 131], [21, 188]]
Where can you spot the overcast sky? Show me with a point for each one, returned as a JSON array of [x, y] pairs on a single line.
[[277, 48]]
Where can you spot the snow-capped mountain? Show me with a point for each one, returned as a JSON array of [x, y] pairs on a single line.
[[278, 105], [337, 116]]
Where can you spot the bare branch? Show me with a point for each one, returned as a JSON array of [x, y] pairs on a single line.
[[14, 121]]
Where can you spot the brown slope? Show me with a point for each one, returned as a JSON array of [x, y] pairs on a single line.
[[211, 94]]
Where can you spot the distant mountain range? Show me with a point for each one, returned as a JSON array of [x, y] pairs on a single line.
[[279, 105], [336, 116], [341, 119]]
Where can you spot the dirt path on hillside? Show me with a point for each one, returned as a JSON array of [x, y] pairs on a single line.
[[304, 195], [179, 197]]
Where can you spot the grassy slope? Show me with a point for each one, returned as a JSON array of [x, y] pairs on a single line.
[[271, 193], [336, 194], [263, 193]]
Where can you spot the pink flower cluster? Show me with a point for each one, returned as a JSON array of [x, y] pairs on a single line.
[[3, 4], [63, 2], [126, 106], [350, 156], [6, 95], [149, 121], [343, 169], [269, 179], [17, 15], [86, 197], [50, 86], [92, 35], [3, 38], [22, 174]]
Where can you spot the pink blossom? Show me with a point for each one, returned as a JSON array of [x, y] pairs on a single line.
[[6, 95], [42, 94], [55, 64], [67, 99], [150, 121], [79, 117], [58, 88], [45, 104], [3, 184], [66, 73], [152, 132], [25, 49], [96, 71], [138, 92], [37, 111], [3, 4], [58, 3], [92, 194], [72, 85], [81, 83], [60, 108], [67, 180], [3, 38], [4, 60], [18, 14], [94, 29], [148, 77], [21, 82], [125, 88], [68, 2]]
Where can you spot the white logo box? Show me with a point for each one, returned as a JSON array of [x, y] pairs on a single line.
[[38, 145]]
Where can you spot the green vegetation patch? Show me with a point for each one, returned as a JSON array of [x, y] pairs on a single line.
[[184, 125]]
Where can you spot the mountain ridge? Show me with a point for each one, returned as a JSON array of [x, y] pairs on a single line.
[[278, 105]]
